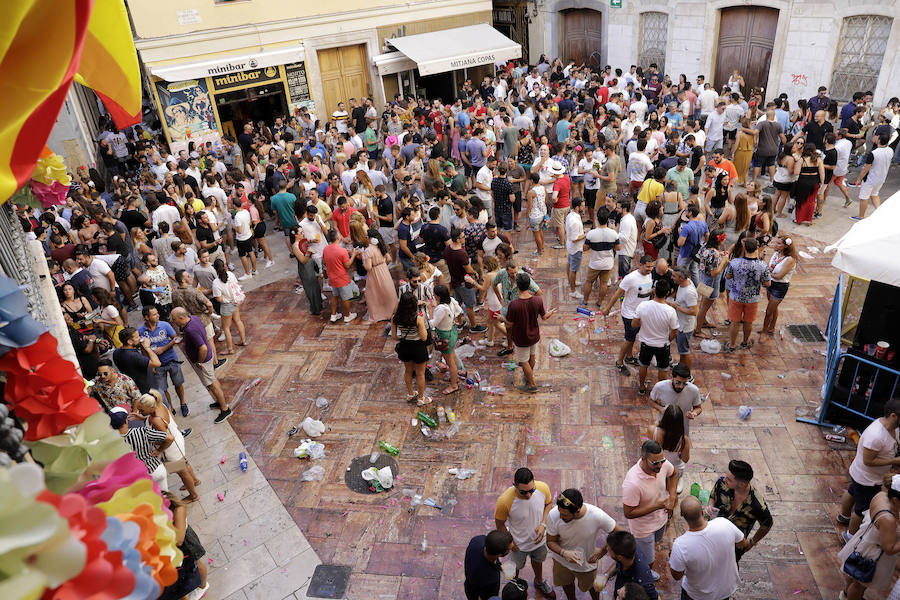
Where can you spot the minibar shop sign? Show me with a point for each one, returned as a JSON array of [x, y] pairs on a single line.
[[239, 79]]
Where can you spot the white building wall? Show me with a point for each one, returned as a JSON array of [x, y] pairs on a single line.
[[806, 40]]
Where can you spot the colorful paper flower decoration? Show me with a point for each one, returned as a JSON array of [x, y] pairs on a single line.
[[104, 577], [67, 455], [139, 503], [17, 328], [44, 389], [37, 549], [120, 473], [50, 182], [123, 536]]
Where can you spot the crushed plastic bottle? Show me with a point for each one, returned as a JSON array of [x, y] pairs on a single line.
[[392, 450], [744, 412], [414, 502], [607, 442], [316, 473], [242, 461], [373, 458], [725, 376], [424, 545], [453, 429]]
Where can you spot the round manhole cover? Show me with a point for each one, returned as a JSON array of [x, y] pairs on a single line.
[[353, 476]]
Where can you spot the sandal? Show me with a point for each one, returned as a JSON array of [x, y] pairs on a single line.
[[189, 499], [412, 399], [728, 348], [746, 345], [421, 402], [727, 321], [448, 390]]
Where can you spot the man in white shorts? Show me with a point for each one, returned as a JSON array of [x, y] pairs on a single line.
[[872, 177]]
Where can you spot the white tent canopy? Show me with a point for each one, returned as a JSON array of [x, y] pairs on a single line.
[[871, 249], [449, 50]]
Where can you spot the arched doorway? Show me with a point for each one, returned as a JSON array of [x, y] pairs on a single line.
[[746, 39], [582, 36]]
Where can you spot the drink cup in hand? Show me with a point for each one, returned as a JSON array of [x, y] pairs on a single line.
[[509, 569]]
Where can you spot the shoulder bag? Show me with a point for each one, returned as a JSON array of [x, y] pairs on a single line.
[[858, 566]]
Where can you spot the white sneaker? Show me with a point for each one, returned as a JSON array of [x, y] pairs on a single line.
[[269, 263], [335, 317], [199, 592], [326, 288], [680, 487], [253, 273], [245, 277], [221, 337], [350, 317], [577, 294]]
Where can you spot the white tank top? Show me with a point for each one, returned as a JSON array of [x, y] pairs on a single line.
[[775, 261]]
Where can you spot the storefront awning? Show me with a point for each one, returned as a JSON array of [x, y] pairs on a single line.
[[229, 64], [393, 62], [452, 49]]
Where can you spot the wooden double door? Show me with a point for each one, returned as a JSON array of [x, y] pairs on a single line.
[[746, 39], [582, 36], [345, 74]]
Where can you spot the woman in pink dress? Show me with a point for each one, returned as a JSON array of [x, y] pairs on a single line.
[[381, 295]]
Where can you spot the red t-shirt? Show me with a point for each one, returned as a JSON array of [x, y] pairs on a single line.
[[603, 95], [562, 186], [727, 166], [334, 256], [524, 313], [342, 220]]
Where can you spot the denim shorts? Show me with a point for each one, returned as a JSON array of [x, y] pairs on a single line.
[[159, 377], [630, 332], [683, 342], [465, 296], [713, 282], [575, 261]]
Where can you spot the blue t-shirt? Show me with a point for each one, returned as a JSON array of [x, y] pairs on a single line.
[[562, 131], [693, 232], [475, 149], [159, 337], [462, 117]]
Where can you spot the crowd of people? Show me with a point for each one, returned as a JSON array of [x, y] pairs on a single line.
[[412, 216]]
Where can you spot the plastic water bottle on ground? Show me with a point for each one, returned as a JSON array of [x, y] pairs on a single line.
[[744, 412], [242, 460]]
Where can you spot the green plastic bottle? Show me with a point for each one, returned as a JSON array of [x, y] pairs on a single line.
[[695, 490], [427, 420], [606, 442], [392, 450]]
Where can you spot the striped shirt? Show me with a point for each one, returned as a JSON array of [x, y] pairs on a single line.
[[144, 441]]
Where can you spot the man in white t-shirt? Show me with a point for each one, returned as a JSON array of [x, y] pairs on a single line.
[[876, 454], [685, 304], [522, 510], [572, 530], [843, 146], [163, 212], [703, 556], [871, 178], [639, 164], [634, 289], [715, 134], [99, 270], [314, 232], [603, 244], [707, 99], [483, 179], [340, 118], [243, 231], [628, 236], [658, 325], [574, 244]]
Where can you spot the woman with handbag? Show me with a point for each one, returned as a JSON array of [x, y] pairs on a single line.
[[411, 332], [655, 235], [712, 259], [150, 407], [228, 293], [110, 318], [869, 558]]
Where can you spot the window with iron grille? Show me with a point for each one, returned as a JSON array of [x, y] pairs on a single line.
[[861, 48], [654, 29]]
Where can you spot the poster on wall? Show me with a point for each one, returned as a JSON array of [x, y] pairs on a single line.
[[187, 108], [298, 88]]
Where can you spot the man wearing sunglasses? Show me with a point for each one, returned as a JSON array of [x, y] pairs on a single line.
[[522, 511], [572, 529], [648, 498]]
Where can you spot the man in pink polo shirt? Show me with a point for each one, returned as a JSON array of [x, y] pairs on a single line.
[[648, 498]]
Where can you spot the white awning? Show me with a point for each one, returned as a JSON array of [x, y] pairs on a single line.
[[393, 62], [870, 249], [229, 64], [457, 48]]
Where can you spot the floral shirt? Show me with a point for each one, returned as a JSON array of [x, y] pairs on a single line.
[[123, 391], [709, 260], [747, 277], [158, 278], [751, 510], [509, 291], [475, 234]]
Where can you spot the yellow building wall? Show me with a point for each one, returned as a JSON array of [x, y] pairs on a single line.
[[157, 18]]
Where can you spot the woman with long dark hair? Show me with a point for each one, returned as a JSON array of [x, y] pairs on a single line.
[[670, 434], [227, 291], [411, 333], [787, 168], [381, 296], [806, 190], [781, 266], [712, 260], [444, 319]]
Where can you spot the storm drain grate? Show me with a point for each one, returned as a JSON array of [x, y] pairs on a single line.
[[329, 581], [806, 333], [353, 475]]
